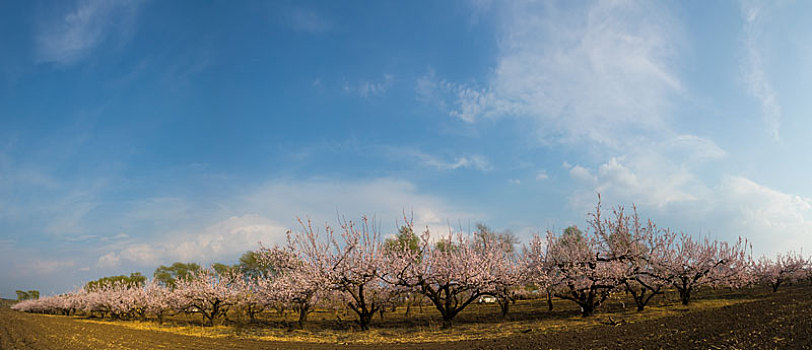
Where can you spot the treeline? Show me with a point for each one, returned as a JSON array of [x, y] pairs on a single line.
[[29, 295], [350, 266]]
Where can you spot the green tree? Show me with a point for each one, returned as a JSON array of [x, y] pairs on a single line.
[[571, 237], [405, 239], [29, 295], [506, 239], [223, 269], [252, 267], [167, 275], [445, 245], [135, 279]]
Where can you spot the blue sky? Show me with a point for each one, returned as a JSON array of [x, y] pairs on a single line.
[[139, 133]]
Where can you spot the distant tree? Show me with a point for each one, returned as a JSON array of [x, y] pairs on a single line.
[[29, 295], [405, 239], [225, 270], [136, 279], [168, 275], [444, 245], [504, 240], [253, 267]]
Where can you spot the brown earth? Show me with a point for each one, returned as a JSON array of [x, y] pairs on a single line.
[[781, 320]]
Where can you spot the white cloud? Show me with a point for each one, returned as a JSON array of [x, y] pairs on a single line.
[[582, 174], [754, 76], [692, 149], [653, 174], [75, 35], [109, 260], [775, 221], [226, 239], [515, 181], [772, 220], [271, 209], [322, 200], [581, 74], [542, 175]]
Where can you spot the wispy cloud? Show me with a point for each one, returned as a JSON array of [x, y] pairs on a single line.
[[74, 35], [370, 88], [584, 74], [471, 161], [309, 21], [429, 90], [474, 162], [754, 75]]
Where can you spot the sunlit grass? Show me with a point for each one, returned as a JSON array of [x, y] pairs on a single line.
[[475, 323]]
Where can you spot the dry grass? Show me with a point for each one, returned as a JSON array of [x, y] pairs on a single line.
[[476, 322]]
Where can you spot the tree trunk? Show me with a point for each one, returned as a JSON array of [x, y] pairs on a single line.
[[685, 296], [504, 305], [304, 309], [364, 318], [447, 322], [549, 301], [587, 310]]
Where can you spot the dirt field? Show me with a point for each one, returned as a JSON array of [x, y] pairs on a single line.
[[782, 320]]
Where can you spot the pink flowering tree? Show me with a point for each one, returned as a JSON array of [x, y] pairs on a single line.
[[248, 298], [452, 273], [535, 268], [160, 300], [292, 284], [637, 247], [587, 267], [584, 274], [501, 275], [688, 264], [350, 263], [786, 268], [206, 293]]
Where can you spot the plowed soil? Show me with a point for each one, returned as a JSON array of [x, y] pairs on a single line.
[[781, 320]]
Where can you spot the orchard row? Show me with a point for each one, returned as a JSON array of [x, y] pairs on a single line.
[[351, 266]]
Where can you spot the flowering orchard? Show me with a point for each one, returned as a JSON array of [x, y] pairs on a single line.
[[351, 267]]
